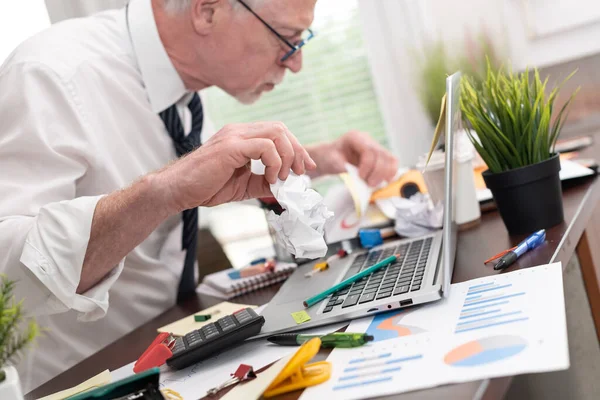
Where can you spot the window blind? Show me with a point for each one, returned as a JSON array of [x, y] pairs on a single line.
[[332, 94]]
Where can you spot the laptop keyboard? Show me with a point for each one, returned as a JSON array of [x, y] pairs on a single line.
[[403, 276]]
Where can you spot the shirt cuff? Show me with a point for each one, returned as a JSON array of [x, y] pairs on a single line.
[[54, 251]]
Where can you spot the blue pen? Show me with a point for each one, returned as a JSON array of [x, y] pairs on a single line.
[[530, 243]]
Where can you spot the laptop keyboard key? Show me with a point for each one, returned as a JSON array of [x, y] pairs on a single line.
[[401, 289], [415, 288], [367, 297], [351, 300], [383, 295], [371, 290], [327, 309], [386, 285]]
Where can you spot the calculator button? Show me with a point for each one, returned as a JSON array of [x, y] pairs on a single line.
[[242, 316], [226, 324], [179, 346], [211, 335], [327, 309]]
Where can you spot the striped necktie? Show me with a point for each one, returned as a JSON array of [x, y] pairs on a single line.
[[183, 145]]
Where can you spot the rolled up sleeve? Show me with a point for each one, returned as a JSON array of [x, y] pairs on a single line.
[[44, 226]]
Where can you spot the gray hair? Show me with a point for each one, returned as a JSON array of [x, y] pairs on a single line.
[[178, 6]]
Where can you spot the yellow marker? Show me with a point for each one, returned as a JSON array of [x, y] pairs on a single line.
[[297, 374], [318, 267], [301, 317]]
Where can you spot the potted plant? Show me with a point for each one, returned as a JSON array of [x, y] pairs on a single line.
[[510, 117], [13, 339]]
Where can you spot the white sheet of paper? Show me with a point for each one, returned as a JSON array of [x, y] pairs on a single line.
[[568, 170], [194, 381], [501, 325], [300, 228]]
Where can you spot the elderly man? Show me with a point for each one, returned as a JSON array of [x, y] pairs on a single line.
[[94, 111]]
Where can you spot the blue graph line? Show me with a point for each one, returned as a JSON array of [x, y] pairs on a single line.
[[464, 310], [351, 385], [472, 297], [357, 360], [494, 299], [487, 290], [396, 360], [487, 318], [494, 324], [480, 314], [482, 285], [405, 359]]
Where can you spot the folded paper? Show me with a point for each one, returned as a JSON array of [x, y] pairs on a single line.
[[300, 226]]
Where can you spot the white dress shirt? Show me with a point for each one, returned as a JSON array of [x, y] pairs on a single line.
[[78, 120]]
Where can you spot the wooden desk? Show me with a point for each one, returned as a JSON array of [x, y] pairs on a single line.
[[474, 246]]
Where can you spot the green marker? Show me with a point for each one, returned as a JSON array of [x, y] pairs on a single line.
[[337, 339], [201, 318], [317, 298]]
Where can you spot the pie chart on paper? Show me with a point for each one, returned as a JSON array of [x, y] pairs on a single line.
[[485, 350]]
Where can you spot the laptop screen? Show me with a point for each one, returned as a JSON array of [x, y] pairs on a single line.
[[453, 123]]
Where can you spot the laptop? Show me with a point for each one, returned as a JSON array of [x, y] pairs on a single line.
[[421, 275]]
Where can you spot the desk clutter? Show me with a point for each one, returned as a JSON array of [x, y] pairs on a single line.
[[501, 325], [231, 282]]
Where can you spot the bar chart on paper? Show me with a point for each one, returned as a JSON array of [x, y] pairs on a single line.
[[491, 304], [372, 369], [501, 325]]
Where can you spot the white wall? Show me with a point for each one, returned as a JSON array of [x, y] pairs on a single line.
[[18, 21]]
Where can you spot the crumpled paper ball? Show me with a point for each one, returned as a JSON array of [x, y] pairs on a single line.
[[300, 227], [417, 216]]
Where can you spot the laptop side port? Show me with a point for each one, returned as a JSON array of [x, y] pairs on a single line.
[[405, 302]]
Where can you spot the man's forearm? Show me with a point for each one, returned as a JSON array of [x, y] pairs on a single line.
[[121, 221]]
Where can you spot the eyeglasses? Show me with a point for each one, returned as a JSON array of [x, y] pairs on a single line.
[[294, 47]]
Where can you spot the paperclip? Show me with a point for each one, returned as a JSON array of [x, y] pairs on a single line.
[[243, 373]]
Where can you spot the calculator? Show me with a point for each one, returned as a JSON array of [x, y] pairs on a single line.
[[214, 337]]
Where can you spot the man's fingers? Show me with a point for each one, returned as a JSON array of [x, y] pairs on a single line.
[[293, 155], [258, 187], [378, 173], [366, 164], [266, 151], [277, 132]]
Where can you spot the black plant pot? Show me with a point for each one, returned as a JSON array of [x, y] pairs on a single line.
[[528, 198]]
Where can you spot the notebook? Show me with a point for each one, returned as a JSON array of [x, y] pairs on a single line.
[[220, 285]]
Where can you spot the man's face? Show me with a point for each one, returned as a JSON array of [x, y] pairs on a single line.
[[248, 54]]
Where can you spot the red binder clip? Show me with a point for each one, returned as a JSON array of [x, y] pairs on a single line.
[[156, 354]]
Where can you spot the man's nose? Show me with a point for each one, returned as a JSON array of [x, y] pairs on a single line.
[[294, 63]]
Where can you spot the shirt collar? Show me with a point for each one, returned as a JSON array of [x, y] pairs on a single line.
[[163, 83]]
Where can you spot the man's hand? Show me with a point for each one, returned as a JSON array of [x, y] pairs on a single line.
[[375, 164], [219, 170]]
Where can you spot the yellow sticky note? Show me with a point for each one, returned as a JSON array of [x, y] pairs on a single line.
[[301, 317]]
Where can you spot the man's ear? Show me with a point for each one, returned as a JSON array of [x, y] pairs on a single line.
[[205, 13]]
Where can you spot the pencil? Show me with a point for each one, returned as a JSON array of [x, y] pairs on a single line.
[[317, 298]]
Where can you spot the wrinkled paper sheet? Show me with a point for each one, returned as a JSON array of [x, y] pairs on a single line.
[[416, 216], [300, 227]]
